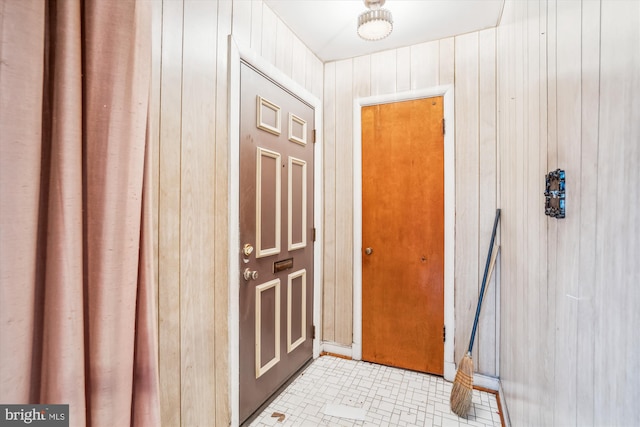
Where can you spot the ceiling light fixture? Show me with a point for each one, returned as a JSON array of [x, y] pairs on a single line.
[[376, 23]]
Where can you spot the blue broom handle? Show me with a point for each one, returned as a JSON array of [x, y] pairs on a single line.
[[484, 281]]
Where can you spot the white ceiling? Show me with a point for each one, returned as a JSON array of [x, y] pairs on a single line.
[[328, 27]]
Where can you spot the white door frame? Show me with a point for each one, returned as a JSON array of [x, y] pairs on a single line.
[[238, 54], [449, 214]]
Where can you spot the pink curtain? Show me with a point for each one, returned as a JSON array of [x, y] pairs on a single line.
[[77, 309]]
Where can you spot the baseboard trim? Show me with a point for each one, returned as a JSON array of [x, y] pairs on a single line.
[[480, 382], [449, 371], [486, 381], [504, 412], [337, 349]]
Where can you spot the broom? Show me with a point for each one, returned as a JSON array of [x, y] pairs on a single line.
[[460, 399]]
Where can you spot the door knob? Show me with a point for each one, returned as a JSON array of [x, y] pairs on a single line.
[[250, 275], [368, 251]]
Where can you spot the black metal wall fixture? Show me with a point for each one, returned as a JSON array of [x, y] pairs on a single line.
[[554, 194]]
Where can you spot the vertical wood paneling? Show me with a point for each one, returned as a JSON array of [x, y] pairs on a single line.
[[344, 202], [241, 21], [154, 127], [403, 69], [220, 219], [506, 108], [298, 61], [568, 104], [508, 220], [616, 357], [383, 72], [256, 25], [467, 191], [552, 226], [609, 268], [446, 71], [487, 176], [519, 202], [269, 28], [545, 310], [310, 74], [284, 46], [329, 285], [534, 186], [425, 65], [362, 76], [197, 212], [573, 68], [503, 135], [191, 175], [314, 75], [169, 213], [630, 62], [590, 97]]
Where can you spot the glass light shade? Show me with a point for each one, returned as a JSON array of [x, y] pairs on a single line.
[[375, 24]]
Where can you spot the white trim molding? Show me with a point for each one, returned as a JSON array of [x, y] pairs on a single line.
[[338, 349], [447, 92], [238, 54], [486, 381]]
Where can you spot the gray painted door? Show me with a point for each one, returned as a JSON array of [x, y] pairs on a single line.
[[276, 237]]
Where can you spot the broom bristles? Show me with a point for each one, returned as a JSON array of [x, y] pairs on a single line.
[[462, 389]]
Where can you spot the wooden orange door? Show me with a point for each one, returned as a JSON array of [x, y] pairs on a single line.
[[403, 234]]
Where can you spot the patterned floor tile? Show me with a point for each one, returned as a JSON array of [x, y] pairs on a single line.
[[390, 396]]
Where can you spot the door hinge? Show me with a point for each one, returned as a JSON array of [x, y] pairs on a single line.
[[443, 127], [313, 235], [444, 333], [313, 332], [314, 136]]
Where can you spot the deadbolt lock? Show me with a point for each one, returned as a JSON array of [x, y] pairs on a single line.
[[247, 249], [250, 275]]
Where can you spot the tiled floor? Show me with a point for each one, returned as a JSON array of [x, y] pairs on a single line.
[[382, 395]]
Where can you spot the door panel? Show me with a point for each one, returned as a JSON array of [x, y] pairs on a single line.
[[267, 326], [297, 203], [296, 309], [276, 222], [403, 225], [268, 215]]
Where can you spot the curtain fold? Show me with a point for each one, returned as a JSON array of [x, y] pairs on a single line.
[[60, 293], [77, 294], [22, 27]]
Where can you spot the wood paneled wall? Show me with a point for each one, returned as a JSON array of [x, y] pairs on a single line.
[[469, 61], [568, 94], [569, 97], [189, 133]]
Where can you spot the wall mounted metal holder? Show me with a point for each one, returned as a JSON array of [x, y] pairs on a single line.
[[554, 194]]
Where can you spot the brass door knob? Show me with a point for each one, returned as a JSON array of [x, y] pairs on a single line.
[[368, 251]]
